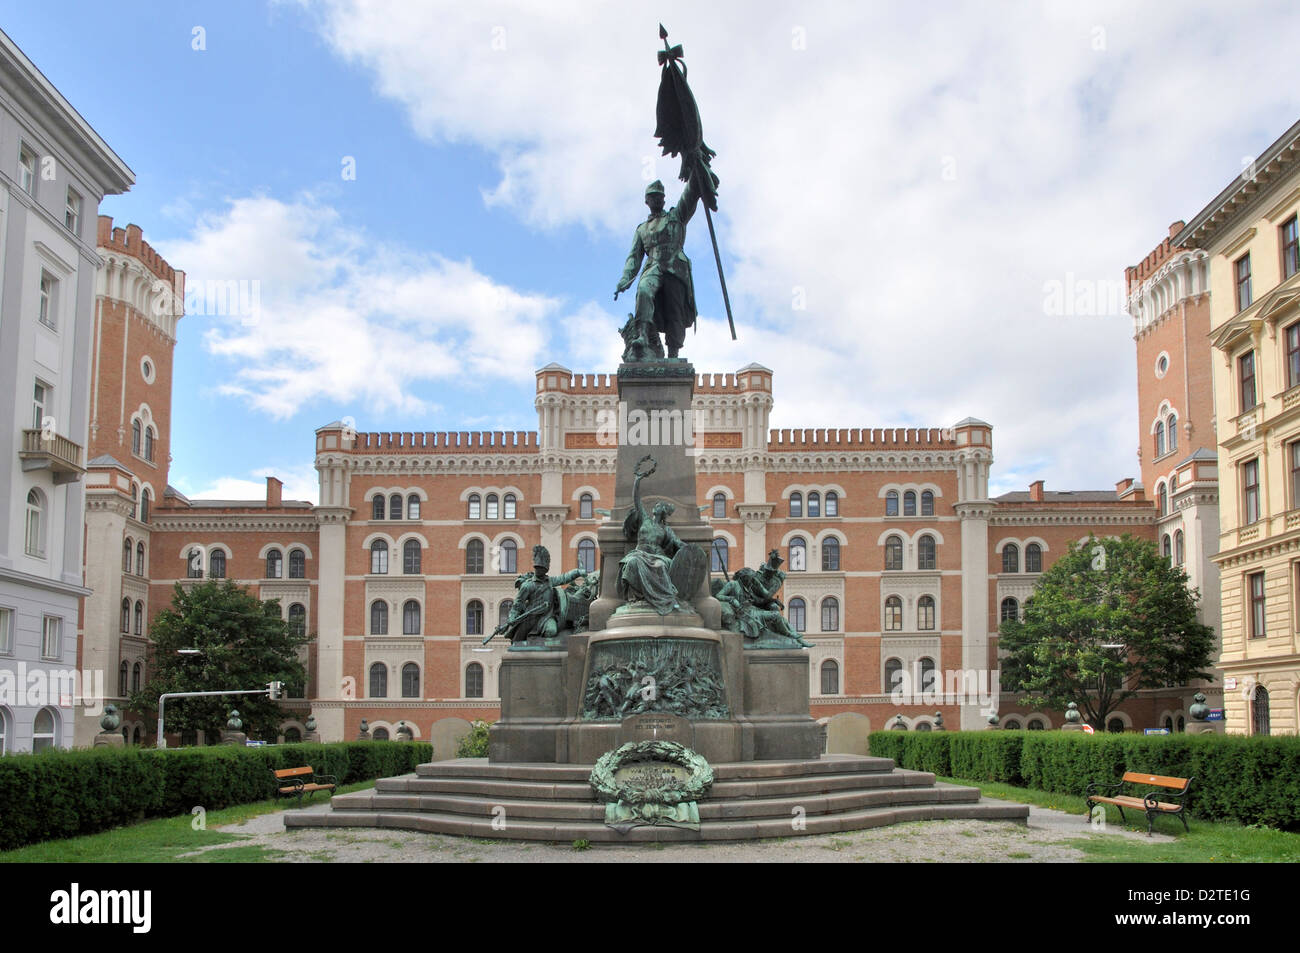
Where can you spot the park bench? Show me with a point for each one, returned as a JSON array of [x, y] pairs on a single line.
[[295, 782], [1148, 801]]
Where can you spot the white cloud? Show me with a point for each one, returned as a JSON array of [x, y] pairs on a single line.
[[918, 172], [306, 308]]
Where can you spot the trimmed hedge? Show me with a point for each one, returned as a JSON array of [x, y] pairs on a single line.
[[62, 793], [1251, 780]]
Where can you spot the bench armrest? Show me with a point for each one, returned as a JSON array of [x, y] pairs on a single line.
[[326, 779], [1096, 787]]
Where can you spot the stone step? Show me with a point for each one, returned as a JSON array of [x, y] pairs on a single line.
[[560, 773], [799, 786], [710, 809], [596, 832]]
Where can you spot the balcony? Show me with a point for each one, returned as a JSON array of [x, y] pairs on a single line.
[[58, 454]]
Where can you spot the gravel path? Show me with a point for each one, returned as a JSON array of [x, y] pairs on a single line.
[[1045, 839]]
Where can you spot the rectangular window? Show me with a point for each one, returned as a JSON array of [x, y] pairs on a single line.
[[52, 638], [1241, 277], [1250, 491], [40, 401], [1295, 475], [47, 312], [6, 631], [1257, 628], [27, 170], [1290, 241], [72, 214], [1293, 355], [1246, 369]]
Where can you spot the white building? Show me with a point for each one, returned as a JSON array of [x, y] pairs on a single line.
[[54, 171]]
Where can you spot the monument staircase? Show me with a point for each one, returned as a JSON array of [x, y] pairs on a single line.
[[748, 801]]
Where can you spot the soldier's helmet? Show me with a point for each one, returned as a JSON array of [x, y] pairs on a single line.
[[655, 187], [774, 558], [541, 557]]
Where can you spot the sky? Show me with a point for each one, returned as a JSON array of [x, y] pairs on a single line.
[[422, 203]]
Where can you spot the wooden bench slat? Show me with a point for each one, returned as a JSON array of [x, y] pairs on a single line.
[[293, 772], [1135, 802], [1138, 777]]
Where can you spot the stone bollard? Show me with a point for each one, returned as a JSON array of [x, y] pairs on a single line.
[[1199, 712], [311, 734], [938, 721], [994, 722], [404, 732], [899, 725], [110, 736], [232, 735], [364, 733], [1073, 720]]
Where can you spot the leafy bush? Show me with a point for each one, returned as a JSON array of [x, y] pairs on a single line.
[[474, 744], [1251, 780], [60, 793]]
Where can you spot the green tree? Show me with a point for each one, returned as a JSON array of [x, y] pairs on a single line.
[[1110, 617], [242, 643]]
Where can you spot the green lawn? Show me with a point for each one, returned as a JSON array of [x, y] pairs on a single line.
[[1208, 841], [163, 840]]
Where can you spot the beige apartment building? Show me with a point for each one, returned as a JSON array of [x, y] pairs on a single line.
[[1249, 233]]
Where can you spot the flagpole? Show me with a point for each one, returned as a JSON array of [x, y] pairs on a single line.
[[708, 217]]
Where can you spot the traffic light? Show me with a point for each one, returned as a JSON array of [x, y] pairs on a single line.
[[277, 690]]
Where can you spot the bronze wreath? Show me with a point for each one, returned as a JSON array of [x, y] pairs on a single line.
[[692, 789]]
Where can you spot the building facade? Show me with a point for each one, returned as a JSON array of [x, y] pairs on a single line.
[[54, 173], [1248, 234]]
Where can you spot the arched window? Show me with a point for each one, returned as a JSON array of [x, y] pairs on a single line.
[[587, 555], [1162, 495], [379, 557], [1035, 724], [474, 556], [798, 554], [927, 674], [718, 555], [894, 553], [475, 506], [145, 500], [34, 538], [379, 617], [135, 437], [798, 613], [1010, 610], [925, 613], [217, 564], [1011, 724], [126, 615], [893, 614], [893, 675], [927, 503], [832, 503], [493, 507], [796, 504], [122, 674], [139, 618], [814, 503], [473, 680], [830, 677], [395, 509], [503, 611], [1259, 715], [377, 507], [378, 684], [4, 732], [719, 506], [411, 557], [135, 498], [891, 503], [126, 554], [412, 507], [297, 620], [1179, 554], [148, 443], [1011, 558], [830, 554], [380, 734], [1169, 724], [274, 564], [44, 729], [509, 556], [909, 503], [474, 618], [508, 503], [1173, 432], [139, 559], [137, 676], [410, 617], [194, 564], [292, 735], [585, 511], [925, 552], [297, 564], [830, 614], [1033, 558], [410, 680], [1160, 438], [1115, 726]]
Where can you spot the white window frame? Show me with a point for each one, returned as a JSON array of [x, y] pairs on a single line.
[[72, 211], [34, 525], [52, 638], [48, 309], [26, 172], [40, 404], [6, 635]]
